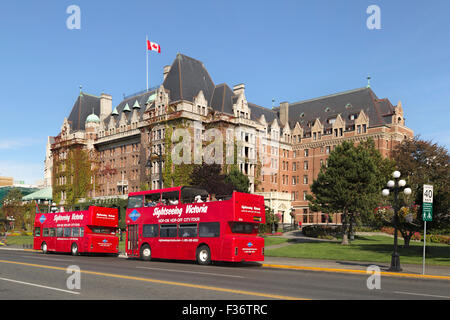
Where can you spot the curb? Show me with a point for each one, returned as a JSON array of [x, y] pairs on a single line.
[[383, 273]]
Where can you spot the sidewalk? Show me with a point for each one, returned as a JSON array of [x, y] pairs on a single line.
[[442, 272]]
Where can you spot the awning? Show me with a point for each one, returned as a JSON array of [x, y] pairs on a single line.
[[43, 194]]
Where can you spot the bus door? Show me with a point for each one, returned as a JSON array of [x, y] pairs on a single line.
[[133, 236]]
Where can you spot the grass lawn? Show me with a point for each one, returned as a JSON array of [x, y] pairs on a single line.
[[270, 241], [19, 240], [367, 248]]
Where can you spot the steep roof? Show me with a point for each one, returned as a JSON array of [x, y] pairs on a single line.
[[82, 108], [344, 103], [222, 99], [257, 111], [187, 76]]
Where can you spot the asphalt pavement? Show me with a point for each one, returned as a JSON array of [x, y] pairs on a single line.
[[33, 275]]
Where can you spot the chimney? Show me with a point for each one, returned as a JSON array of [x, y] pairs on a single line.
[[284, 112], [105, 105], [238, 89], [166, 71]]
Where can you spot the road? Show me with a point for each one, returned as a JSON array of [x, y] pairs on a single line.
[[31, 275]]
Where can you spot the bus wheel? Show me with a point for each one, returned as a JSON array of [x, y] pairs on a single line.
[[74, 249], [203, 255], [146, 253], [44, 248]]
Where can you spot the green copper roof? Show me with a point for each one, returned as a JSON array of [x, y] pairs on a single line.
[[127, 108], [136, 105], [93, 118], [115, 113], [151, 98], [43, 194]]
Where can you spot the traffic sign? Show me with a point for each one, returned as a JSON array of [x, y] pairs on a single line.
[[427, 205]]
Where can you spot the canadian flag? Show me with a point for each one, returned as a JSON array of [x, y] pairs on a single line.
[[153, 46]]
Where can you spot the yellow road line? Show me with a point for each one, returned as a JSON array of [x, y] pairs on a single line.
[[244, 292], [383, 273]]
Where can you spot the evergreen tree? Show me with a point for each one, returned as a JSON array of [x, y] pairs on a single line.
[[351, 184]]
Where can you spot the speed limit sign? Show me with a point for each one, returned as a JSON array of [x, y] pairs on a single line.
[[427, 206]]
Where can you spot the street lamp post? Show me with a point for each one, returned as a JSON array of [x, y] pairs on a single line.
[[397, 185], [149, 165]]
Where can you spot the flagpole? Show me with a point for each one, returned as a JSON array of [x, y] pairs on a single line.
[[146, 53]]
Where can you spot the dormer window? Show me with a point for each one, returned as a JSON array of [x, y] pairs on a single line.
[[331, 120], [327, 109], [353, 116]]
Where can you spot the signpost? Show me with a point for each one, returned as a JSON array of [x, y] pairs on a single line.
[[427, 215]]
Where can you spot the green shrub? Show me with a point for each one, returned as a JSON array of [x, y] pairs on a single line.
[[322, 232]]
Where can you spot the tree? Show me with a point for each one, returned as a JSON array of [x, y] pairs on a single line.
[[239, 180], [350, 184], [12, 206], [210, 178], [421, 162]]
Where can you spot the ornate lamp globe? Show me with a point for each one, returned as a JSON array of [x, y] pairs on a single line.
[[385, 192], [402, 183], [396, 174], [407, 191], [391, 184]]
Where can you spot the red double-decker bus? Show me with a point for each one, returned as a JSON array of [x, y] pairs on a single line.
[[90, 231], [184, 223]]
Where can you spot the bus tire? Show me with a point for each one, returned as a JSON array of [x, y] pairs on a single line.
[[203, 255], [145, 253], [74, 249], [44, 248]]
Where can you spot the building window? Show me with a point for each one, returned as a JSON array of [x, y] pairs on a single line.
[[306, 152], [305, 165], [305, 179]]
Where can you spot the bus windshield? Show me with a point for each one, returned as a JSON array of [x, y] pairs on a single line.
[[135, 202]]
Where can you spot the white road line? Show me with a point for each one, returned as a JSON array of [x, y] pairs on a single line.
[[211, 274], [421, 294], [39, 286]]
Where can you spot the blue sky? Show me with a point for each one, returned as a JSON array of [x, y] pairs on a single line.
[[282, 50]]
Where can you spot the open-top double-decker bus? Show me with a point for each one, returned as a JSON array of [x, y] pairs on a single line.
[[185, 223]]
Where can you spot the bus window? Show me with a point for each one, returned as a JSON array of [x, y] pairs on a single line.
[[188, 230], [135, 202], [82, 232], [103, 230], [238, 227], [52, 232], [168, 231], [75, 232], [150, 230], [209, 229], [59, 232], [37, 232], [67, 232], [45, 232], [170, 198], [152, 199]]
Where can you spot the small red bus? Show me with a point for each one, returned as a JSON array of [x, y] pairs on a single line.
[[90, 231], [183, 223]]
